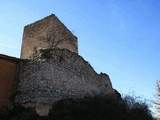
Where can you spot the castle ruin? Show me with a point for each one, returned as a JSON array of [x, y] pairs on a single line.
[[49, 69]]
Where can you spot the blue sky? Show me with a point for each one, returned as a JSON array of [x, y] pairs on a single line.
[[118, 37]]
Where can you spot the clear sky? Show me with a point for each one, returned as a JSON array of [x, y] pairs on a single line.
[[118, 37]]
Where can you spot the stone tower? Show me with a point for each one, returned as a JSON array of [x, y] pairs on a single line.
[[49, 32], [53, 70]]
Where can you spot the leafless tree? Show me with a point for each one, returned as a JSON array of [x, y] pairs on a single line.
[[53, 38], [157, 101]]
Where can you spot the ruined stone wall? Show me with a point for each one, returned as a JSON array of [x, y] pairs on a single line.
[[57, 74], [8, 72], [47, 33]]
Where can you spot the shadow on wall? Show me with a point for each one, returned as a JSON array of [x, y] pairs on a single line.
[[8, 74]]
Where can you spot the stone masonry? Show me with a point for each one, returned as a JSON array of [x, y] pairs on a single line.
[[56, 74]]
